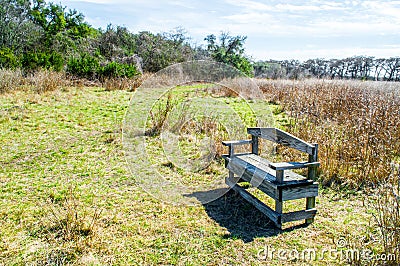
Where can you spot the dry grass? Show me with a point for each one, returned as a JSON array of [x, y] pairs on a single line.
[[129, 84], [210, 127], [46, 80], [355, 123], [221, 91], [10, 80], [159, 115], [386, 203], [69, 225]]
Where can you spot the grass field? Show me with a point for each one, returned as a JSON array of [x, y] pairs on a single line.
[[68, 197]]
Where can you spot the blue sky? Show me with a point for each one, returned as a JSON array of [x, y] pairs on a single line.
[[275, 29]]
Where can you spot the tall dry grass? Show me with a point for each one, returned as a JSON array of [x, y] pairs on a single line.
[[386, 203], [70, 228], [10, 80], [129, 84], [47, 80], [356, 125]]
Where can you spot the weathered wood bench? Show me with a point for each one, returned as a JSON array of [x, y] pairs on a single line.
[[274, 179]]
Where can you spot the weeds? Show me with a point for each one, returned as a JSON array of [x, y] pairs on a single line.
[[159, 115], [129, 84], [10, 80], [207, 127], [386, 205], [46, 80], [69, 224]]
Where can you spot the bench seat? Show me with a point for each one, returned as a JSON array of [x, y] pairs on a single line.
[[257, 171]]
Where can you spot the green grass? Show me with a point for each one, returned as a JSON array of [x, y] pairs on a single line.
[[62, 155]]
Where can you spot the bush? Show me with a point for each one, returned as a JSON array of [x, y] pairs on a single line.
[[42, 60], [86, 66], [8, 59], [55, 62], [117, 70]]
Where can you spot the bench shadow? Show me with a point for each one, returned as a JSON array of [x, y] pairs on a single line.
[[239, 217]]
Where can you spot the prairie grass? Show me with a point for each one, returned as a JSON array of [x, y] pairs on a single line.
[[159, 115], [10, 80], [386, 206], [69, 225], [129, 84], [355, 123], [47, 80]]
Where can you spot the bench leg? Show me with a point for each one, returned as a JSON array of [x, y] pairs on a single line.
[[310, 204], [231, 175], [278, 210]]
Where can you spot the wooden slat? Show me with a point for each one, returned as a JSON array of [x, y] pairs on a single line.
[[290, 178], [292, 165], [310, 204], [312, 173], [298, 215], [254, 145], [270, 213], [281, 137], [236, 142], [291, 193], [262, 180], [279, 176]]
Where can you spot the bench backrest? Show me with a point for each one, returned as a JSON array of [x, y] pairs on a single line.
[[278, 136]]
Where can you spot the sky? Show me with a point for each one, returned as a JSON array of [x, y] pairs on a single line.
[[277, 30]]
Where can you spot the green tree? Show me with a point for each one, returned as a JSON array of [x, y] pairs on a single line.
[[17, 31], [116, 42], [61, 29], [229, 50], [161, 50]]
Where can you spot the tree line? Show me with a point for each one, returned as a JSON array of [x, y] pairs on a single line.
[[35, 34], [356, 67]]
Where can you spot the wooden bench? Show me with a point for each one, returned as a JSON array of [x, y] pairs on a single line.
[[274, 179]]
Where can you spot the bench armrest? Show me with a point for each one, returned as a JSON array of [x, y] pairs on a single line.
[[236, 142], [232, 143], [292, 165]]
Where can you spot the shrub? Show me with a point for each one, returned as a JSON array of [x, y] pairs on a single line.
[[129, 84], [159, 115], [55, 61], [387, 214], [117, 70], [32, 61], [8, 59], [69, 227], [85, 66]]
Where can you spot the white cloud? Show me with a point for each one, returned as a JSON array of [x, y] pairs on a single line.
[[250, 5], [304, 8]]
